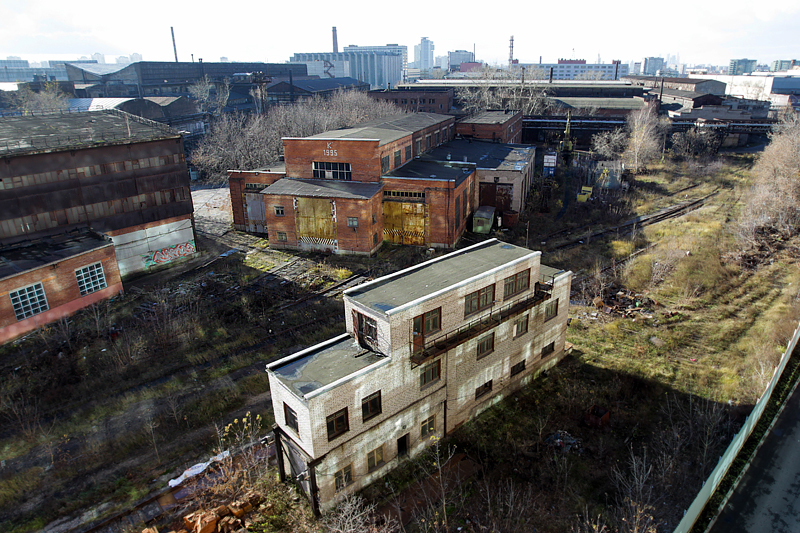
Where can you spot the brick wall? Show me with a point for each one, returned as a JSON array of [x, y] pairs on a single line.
[[237, 182], [418, 101], [363, 156], [61, 290], [508, 131]]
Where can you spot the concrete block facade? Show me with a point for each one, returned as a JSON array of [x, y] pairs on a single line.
[[426, 349]]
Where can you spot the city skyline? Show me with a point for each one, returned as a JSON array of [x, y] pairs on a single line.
[[42, 29]]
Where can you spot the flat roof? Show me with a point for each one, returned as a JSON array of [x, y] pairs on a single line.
[[430, 170], [49, 132], [323, 365], [386, 130], [23, 256], [489, 155], [601, 103], [490, 117], [428, 279], [323, 188]]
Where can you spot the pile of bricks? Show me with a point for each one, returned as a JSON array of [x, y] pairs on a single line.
[[225, 518]]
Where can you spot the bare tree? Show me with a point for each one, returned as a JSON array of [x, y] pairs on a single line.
[[506, 89], [49, 98], [223, 93], [644, 141], [638, 500], [610, 144], [201, 91], [150, 426], [20, 407], [355, 515]]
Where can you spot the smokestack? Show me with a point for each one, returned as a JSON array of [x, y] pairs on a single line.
[[174, 48], [335, 42]]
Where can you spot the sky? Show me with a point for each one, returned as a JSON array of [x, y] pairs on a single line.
[[698, 31]]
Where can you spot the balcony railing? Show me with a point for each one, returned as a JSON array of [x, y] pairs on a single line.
[[443, 343]]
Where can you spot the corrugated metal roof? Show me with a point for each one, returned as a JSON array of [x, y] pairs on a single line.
[[601, 103], [323, 188], [99, 69], [95, 104]]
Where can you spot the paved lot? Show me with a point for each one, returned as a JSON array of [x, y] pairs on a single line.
[[212, 210], [768, 497]]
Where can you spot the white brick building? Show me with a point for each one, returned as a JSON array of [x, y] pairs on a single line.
[[426, 349]]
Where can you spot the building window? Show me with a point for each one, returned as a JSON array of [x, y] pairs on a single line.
[[427, 142], [428, 323], [374, 239], [464, 205], [519, 367], [408, 152], [91, 278], [404, 101], [374, 219], [332, 171], [282, 236], [517, 283], [427, 427], [431, 101], [521, 326], [343, 477], [375, 458], [279, 211], [398, 155], [430, 373], [29, 301], [437, 138], [337, 424], [547, 350], [352, 222], [485, 345], [551, 310], [384, 164], [486, 388], [366, 326], [458, 210], [419, 146], [291, 418], [479, 300], [371, 406]]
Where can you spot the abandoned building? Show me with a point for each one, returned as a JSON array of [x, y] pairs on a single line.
[[495, 126], [426, 349], [402, 180], [348, 190], [121, 178]]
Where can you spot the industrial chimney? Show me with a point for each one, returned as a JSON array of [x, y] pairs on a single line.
[[335, 42]]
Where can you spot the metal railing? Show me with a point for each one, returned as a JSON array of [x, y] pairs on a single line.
[[443, 343]]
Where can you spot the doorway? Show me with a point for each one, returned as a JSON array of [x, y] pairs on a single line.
[[402, 446]]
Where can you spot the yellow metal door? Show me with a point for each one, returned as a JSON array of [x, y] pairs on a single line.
[[404, 222], [315, 219]]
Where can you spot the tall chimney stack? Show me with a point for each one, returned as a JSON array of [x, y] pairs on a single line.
[[174, 48], [335, 42]]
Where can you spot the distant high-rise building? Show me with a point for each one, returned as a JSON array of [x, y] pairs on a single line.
[[380, 66], [576, 69], [423, 54], [459, 56], [441, 62], [741, 66], [652, 65], [135, 57], [100, 58], [780, 65]]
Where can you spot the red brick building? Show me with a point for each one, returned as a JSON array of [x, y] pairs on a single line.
[[45, 280], [496, 126], [346, 191], [432, 100]]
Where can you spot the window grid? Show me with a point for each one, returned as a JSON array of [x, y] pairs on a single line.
[[279, 211], [337, 424], [430, 373], [517, 283], [352, 222], [291, 418], [91, 278], [343, 477], [29, 301], [479, 300], [486, 388], [521, 326], [427, 427], [328, 170], [371, 406], [375, 458], [551, 310], [486, 345], [519, 367]]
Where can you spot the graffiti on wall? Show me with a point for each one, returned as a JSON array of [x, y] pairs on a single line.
[[170, 253]]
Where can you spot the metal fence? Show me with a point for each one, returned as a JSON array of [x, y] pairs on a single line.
[[713, 481]]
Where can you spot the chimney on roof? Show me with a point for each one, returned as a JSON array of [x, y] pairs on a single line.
[[335, 42]]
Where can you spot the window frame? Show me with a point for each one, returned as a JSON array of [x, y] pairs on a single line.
[[93, 270], [551, 310], [282, 237], [483, 390], [366, 326], [478, 298], [523, 320], [518, 368], [372, 456], [398, 158], [517, 284], [485, 345], [279, 210], [427, 426], [339, 171], [290, 421], [333, 419], [385, 164], [352, 222], [343, 477], [19, 307], [424, 322], [435, 375], [368, 406], [547, 350]]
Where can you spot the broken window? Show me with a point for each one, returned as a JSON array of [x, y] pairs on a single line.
[[367, 327], [291, 418], [325, 170], [337, 424], [343, 477], [486, 388], [427, 427], [375, 458], [371, 406]]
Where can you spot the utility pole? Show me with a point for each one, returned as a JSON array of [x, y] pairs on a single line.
[[174, 48]]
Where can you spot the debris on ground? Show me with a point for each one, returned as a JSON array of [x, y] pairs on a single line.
[[561, 440]]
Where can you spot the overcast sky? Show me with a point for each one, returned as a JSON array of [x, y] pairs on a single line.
[[699, 31]]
